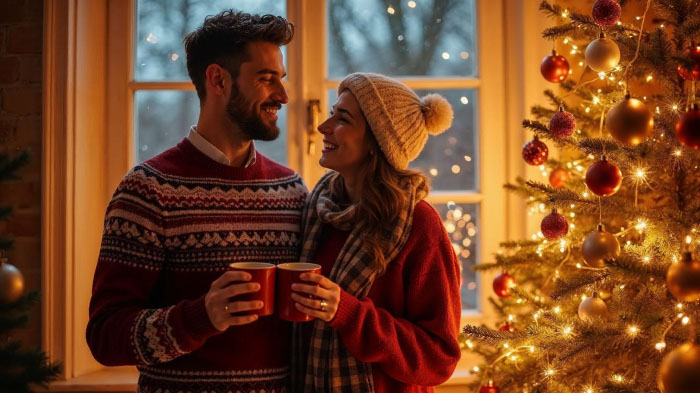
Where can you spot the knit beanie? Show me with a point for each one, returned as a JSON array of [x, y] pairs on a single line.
[[398, 118]]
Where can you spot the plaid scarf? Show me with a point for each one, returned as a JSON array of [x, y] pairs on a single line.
[[329, 365]]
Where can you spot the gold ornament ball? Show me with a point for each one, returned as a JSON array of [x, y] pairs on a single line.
[[598, 246], [679, 371], [602, 55], [11, 283], [683, 279], [630, 121], [592, 308]]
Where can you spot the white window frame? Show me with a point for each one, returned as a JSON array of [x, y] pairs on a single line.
[[88, 146]]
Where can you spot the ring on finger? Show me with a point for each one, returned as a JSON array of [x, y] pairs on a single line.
[[323, 305]]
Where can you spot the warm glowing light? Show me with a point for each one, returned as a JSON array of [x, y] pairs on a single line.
[[660, 346], [596, 100], [470, 344], [567, 331], [557, 309], [475, 369], [641, 225], [688, 239], [445, 55], [649, 78], [174, 57], [640, 173], [601, 75], [632, 330], [391, 10], [565, 14], [685, 320], [679, 306], [617, 378], [412, 4], [549, 372], [151, 38], [506, 346], [464, 100], [456, 169], [674, 107], [677, 153], [433, 171]]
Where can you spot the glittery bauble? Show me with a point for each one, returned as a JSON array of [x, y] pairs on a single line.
[[692, 73], [535, 152], [592, 308], [554, 225], [683, 279], [688, 128], [679, 370], [602, 54], [507, 328], [554, 67], [502, 284], [606, 12], [558, 177], [603, 178], [11, 283], [598, 246], [630, 121], [562, 124], [490, 387]]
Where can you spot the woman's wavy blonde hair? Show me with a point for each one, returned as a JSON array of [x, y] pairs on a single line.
[[382, 197]]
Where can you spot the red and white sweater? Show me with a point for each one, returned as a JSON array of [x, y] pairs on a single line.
[[172, 227], [408, 324]]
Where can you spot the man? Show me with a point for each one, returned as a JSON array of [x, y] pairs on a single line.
[[162, 296]]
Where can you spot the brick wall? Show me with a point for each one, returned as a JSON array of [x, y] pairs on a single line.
[[20, 128]]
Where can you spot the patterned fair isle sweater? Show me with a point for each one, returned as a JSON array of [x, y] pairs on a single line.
[[172, 227]]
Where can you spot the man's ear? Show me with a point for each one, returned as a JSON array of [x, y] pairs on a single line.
[[217, 79]]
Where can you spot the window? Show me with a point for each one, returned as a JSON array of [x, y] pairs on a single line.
[[148, 103]]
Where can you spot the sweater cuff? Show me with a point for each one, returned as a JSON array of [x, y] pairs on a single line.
[[196, 320], [347, 308]]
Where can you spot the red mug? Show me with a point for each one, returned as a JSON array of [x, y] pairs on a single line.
[[263, 274], [288, 274]]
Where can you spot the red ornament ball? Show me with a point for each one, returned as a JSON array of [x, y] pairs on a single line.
[[490, 387], [606, 12], [503, 283], [554, 67], [535, 152], [554, 225], [603, 178], [688, 128], [693, 73], [507, 328], [562, 124], [559, 177]]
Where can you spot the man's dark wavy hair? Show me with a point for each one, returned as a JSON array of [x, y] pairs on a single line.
[[223, 39]]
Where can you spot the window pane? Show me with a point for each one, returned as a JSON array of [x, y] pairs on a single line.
[[162, 24], [164, 117], [461, 221], [420, 38], [449, 159]]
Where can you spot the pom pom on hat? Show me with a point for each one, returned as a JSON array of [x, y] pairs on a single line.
[[437, 112]]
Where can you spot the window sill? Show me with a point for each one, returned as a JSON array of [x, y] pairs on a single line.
[[123, 380]]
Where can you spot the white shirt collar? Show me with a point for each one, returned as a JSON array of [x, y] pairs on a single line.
[[213, 152]]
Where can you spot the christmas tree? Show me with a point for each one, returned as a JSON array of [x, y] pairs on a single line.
[[19, 367], [605, 297]]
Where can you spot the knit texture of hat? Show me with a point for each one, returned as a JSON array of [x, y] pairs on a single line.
[[399, 120]]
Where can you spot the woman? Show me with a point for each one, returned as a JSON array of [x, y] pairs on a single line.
[[388, 314]]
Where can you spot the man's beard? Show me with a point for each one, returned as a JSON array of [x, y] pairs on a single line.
[[241, 112]]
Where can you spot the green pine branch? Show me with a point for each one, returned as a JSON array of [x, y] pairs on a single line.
[[565, 287]]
